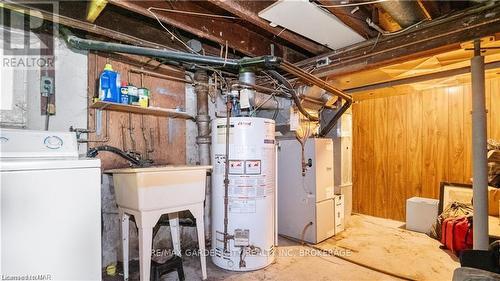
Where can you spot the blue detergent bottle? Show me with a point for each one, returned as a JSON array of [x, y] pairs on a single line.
[[109, 85]]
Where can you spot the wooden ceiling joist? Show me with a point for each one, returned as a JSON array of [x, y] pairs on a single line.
[[240, 9], [222, 31], [356, 20], [431, 7], [427, 39]]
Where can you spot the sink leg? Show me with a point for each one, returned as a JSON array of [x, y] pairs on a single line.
[[200, 228], [145, 244], [173, 219], [125, 233]]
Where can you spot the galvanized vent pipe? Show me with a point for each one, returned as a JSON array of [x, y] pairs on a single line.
[[203, 140]]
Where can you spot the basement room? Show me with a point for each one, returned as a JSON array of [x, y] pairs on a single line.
[[250, 140]]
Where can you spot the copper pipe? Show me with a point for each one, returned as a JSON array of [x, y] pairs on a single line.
[[307, 77], [162, 76]]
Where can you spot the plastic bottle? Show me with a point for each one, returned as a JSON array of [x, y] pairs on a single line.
[[124, 93], [109, 85]]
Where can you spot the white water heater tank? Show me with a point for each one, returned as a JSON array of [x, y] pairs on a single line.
[[251, 193]]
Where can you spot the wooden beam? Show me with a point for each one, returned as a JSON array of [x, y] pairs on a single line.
[[429, 38], [114, 25], [431, 7], [85, 26], [222, 31], [241, 9], [356, 20]]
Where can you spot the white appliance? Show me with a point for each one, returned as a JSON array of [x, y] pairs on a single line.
[[306, 204], [421, 214], [50, 207], [251, 193]]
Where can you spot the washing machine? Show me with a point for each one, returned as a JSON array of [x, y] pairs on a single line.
[[50, 208]]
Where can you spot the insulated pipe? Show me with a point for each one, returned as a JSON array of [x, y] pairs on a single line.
[[479, 152], [203, 139]]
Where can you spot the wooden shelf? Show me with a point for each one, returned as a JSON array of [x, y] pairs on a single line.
[[155, 111]]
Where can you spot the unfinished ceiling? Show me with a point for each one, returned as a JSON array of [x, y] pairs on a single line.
[[455, 59], [234, 28]]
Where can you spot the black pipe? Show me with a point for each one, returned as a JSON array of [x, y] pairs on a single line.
[[86, 44], [293, 93], [135, 161], [324, 131]]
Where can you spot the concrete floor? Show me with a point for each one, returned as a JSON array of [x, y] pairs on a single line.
[[370, 249]]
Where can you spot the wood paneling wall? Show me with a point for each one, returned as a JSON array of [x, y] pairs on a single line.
[[166, 136], [405, 143]]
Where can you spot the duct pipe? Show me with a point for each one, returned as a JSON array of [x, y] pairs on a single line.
[[479, 152], [405, 13], [294, 95], [203, 139], [247, 76]]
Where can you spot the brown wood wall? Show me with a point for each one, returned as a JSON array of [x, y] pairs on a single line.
[[167, 136], [406, 143]]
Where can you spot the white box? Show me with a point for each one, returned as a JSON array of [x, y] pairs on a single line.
[[339, 214], [421, 214], [306, 206]]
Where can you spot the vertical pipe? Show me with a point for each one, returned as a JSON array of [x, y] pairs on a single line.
[[247, 76], [479, 151], [226, 176], [203, 139]]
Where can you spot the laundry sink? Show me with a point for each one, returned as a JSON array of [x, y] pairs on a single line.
[[153, 188]]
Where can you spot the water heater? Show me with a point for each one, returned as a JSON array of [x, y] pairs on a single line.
[[251, 193]]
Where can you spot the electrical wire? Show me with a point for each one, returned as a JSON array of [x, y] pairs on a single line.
[[352, 4], [169, 32], [386, 33], [195, 13], [277, 110]]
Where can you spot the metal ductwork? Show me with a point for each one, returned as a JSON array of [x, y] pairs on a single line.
[[405, 13]]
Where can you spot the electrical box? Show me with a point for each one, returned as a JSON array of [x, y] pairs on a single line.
[[306, 204]]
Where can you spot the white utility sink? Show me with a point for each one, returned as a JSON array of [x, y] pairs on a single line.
[[148, 193], [154, 188]]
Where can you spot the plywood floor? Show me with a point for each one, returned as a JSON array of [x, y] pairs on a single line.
[[377, 243]]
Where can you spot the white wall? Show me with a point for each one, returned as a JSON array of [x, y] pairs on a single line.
[[70, 89], [22, 88]]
